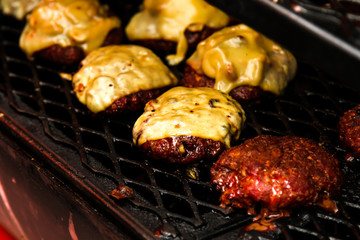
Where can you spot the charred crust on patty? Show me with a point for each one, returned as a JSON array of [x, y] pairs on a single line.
[[164, 47], [134, 102], [243, 94], [183, 149], [277, 173], [72, 55], [349, 131]]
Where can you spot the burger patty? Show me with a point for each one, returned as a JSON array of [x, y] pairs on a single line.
[[135, 101], [276, 172], [349, 130], [185, 125], [166, 46], [183, 149], [72, 55], [242, 94]]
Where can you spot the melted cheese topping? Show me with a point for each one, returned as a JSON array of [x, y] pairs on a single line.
[[111, 72], [201, 112], [18, 8], [168, 20], [81, 23], [239, 55]]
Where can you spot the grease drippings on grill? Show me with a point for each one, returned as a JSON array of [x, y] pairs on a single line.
[[277, 173], [188, 124]]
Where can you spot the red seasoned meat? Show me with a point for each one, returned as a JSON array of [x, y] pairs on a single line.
[[277, 173], [349, 131]]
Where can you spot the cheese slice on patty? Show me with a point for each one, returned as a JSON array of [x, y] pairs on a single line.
[[168, 20], [80, 23], [111, 72], [201, 112], [238, 55]]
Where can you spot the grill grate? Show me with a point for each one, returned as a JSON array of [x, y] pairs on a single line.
[[178, 199]]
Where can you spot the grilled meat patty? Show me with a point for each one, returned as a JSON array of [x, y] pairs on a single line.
[[183, 149], [240, 60], [64, 31], [170, 25], [184, 125], [115, 78], [243, 94], [134, 102], [72, 55], [349, 130], [278, 173], [164, 47]]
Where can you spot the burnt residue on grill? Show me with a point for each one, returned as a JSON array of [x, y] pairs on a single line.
[[171, 201]]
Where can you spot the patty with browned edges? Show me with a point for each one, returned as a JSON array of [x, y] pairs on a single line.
[[185, 125], [134, 101], [243, 94], [117, 78], [183, 149], [241, 62], [72, 55], [349, 130], [171, 27], [164, 47], [277, 173]]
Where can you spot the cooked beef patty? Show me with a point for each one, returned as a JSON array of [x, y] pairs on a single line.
[[183, 149], [134, 102], [349, 130], [243, 94], [184, 125], [164, 47], [115, 78], [277, 173]]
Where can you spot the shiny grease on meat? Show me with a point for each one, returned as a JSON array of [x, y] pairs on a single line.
[[68, 29], [163, 47], [168, 20], [188, 124], [277, 174], [121, 77], [239, 59], [349, 131], [72, 55]]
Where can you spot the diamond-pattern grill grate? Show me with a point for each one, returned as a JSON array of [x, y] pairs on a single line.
[[180, 198]]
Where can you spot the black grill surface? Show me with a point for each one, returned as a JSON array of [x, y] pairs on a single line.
[[94, 154]]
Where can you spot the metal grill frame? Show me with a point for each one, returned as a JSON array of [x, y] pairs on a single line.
[[52, 124]]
